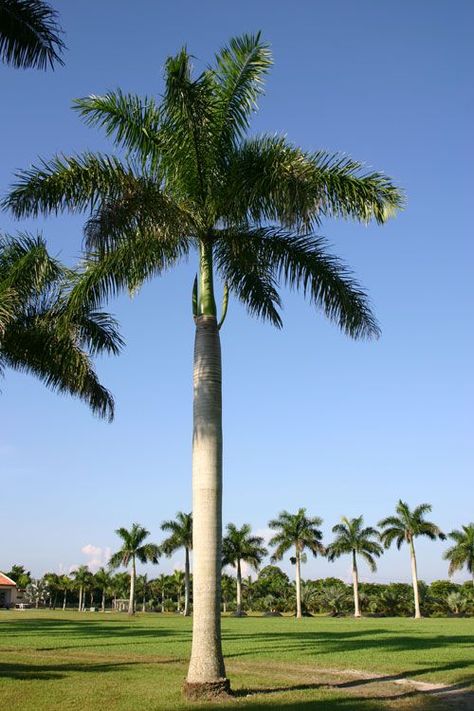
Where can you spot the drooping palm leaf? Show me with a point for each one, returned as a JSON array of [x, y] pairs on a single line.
[[30, 35]]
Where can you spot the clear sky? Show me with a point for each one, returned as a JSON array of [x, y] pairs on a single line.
[[310, 418]]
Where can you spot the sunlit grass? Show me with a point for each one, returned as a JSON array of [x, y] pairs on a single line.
[[53, 660]]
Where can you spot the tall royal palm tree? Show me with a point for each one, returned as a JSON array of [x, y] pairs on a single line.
[[41, 334], [30, 35], [404, 528], [239, 546], [191, 180], [134, 548], [461, 554], [82, 580], [103, 581], [181, 536], [352, 539], [300, 532]]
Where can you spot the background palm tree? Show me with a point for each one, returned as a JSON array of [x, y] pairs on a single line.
[[82, 579], [177, 580], [296, 531], [405, 527], [65, 585], [41, 334], [30, 35], [352, 539], [461, 554], [133, 549], [240, 546], [248, 207], [181, 536], [103, 580]]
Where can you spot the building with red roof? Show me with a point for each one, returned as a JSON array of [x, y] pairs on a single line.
[[8, 591]]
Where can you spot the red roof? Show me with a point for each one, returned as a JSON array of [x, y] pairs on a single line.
[[4, 580]]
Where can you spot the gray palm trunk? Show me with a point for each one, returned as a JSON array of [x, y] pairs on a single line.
[[206, 668], [103, 599], [131, 602], [80, 599], [239, 588], [355, 583], [299, 613], [414, 577], [187, 609], [64, 599]]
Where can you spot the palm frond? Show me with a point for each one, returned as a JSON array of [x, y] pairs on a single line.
[[300, 262], [72, 183], [269, 179], [30, 35], [133, 122], [248, 276], [239, 71]]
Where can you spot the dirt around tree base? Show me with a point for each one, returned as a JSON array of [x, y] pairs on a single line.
[[239, 614], [207, 691]]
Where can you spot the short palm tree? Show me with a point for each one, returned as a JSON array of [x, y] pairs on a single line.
[[193, 181], [181, 536], [240, 546], [82, 580], [352, 539], [405, 527], [41, 334], [29, 34], [134, 548], [103, 580], [461, 554], [300, 532]]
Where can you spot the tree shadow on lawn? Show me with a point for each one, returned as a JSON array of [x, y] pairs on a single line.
[[46, 672], [459, 696], [86, 629], [315, 643]]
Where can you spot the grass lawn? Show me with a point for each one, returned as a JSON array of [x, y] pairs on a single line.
[[90, 661]]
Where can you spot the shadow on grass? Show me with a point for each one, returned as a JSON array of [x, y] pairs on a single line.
[[46, 672]]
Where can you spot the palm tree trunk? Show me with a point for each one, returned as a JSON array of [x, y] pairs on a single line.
[[163, 601], [298, 586], [187, 610], [103, 600], [355, 582], [206, 673], [239, 589], [144, 601], [64, 599], [414, 577], [80, 599], [131, 602]]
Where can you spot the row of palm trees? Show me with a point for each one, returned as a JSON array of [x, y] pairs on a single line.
[[299, 533]]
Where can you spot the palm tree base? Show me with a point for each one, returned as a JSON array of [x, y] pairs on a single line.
[[239, 614], [207, 690]]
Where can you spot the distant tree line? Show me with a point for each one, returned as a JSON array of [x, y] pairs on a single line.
[[272, 592]]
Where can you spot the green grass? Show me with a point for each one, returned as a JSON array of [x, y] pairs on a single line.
[[86, 661]]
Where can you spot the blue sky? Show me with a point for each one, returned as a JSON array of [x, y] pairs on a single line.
[[310, 418]]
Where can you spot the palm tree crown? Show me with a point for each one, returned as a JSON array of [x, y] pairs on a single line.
[[240, 545], [29, 34], [408, 525], [41, 334], [296, 530], [352, 537], [181, 533], [133, 546], [192, 180], [461, 554]]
